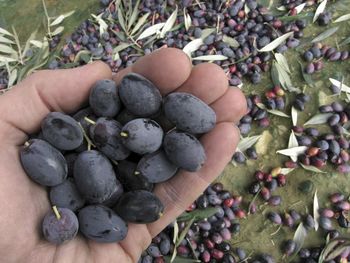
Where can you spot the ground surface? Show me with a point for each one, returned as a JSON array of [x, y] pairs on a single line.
[[256, 232]]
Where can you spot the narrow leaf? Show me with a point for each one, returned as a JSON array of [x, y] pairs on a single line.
[[83, 55], [282, 61], [6, 49], [169, 23], [187, 19], [36, 43], [345, 42], [211, 57], [278, 113], [134, 14], [318, 119], [292, 142], [312, 168], [176, 232], [337, 252], [328, 249], [13, 78], [286, 171], [206, 32], [68, 14], [7, 59], [5, 32], [151, 31], [299, 237], [325, 34], [340, 85], [284, 78], [300, 7], [306, 77], [274, 74], [295, 151], [230, 41], [321, 7], [248, 142], [198, 214], [121, 47], [294, 114], [278, 41], [140, 23], [184, 232], [281, 8], [176, 235], [5, 40], [121, 19], [57, 31], [28, 44], [192, 46], [57, 21], [316, 211], [342, 18]]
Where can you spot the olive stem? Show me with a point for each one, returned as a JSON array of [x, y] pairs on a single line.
[[89, 121], [55, 210], [278, 229], [191, 247], [124, 134], [89, 142], [115, 162]]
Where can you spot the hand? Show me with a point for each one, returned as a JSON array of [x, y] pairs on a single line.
[[23, 203]]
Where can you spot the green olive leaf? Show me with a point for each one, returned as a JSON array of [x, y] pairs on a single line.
[[316, 209], [274, 44], [320, 9], [325, 34], [318, 119], [311, 169]]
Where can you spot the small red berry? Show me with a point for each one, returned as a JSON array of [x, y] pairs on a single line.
[[270, 94], [240, 213], [229, 202]]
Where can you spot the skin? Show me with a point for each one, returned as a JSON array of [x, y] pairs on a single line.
[[23, 203]]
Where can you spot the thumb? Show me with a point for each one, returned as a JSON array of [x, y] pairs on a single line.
[[25, 105]]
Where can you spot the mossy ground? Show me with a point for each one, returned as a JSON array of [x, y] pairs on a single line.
[[28, 15]]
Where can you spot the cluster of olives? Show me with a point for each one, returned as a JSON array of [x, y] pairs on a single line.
[[138, 139]]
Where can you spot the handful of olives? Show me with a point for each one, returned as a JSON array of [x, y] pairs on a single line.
[[138, 138]]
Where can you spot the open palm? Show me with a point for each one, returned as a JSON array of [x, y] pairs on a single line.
[[24, 203]]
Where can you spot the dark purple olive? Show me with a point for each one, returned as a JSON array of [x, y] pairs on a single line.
[[325, 109], [304, 253], [308, 56], [333, 234], [335, 56], [343, 221], [344, 55], [274, 218], [344, 168], [289, 247], [316, 52], [254, 188], [330, 52], [325, 223], [309, 222], [295, 215], [288, 220], [336, 197], [275, 200], [327, 212], [299, 105], [239, 157], [310, 68]]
